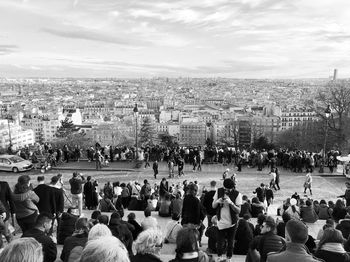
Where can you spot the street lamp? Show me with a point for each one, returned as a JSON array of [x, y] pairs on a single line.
[[136, 113], [8, 117], [327, 113]]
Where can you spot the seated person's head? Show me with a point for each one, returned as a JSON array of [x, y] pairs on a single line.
[[103, 219], [261, 218], [296, 232], [99, 230], [269, 225], [286, 217], [116, 215], [25, 249], [44, 220], [95, 214], [149, 242], [187, 240], [147, 212], [105, 248], [82, 225], [131, 216], [73, 211]]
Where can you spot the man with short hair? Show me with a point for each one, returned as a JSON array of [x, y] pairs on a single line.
[[46, 197], [76, 190], [260, 192], [39, 232], [268, 241], [227, 201], [296, 237], [148, 221]]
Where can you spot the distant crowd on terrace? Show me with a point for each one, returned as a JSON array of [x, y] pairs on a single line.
[[295, 160]]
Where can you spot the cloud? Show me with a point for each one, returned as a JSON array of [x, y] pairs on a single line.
[[7, 49], [85, 34]]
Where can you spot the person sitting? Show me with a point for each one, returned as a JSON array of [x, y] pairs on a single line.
[[105, 204], [121, 231], [245, 207], [172, 229], [148, 221], [259, 223], [282, 225], [137, 227], [99, 230], [293, 210], [268, 242], [330, 248], [244, 235], [164, 208], [308, 213], [257, 207], [148, 245], [105, 248], [103, 219], [344, 226], [40, 233], [95, 214], [329, 224], [25, 249], [339, 211], [176, 204], [296, 237], [78, 238], [323, 210], [67, 224], [187, 246]]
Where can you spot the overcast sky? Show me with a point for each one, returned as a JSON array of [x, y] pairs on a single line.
[[202, 38]]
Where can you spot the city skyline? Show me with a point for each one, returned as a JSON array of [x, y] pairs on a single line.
[[209, 38]]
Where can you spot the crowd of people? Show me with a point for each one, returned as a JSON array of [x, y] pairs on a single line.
[[45, 223], [47, 155]]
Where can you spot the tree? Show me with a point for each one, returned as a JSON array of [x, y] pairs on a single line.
[[262, 143], [337, 96], [147, 132], [168, 140], [67, 128]]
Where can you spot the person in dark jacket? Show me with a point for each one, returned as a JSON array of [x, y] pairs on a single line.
[[330, 247], [76, 190], [39, 232], [7, 201], [137, 226], [89, 194], [163, 188], [344, 226], [192, 210], [244, 235], [78, 238], [46, 197], [148, 245], [260, 192], [308, 213], [339, 211], [208, 202], [268, 241], [155, 168], [212, 234], [245, 207], [24, 199], [121, 231], [67, 224]]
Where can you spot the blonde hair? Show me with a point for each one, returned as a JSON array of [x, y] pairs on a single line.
[[25, 249], [99, 230], [149, 241], [105, 248]]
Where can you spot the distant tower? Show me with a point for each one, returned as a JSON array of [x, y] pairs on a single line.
[[335, 74]]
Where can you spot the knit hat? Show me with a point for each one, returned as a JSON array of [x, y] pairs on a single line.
[[228, 183]]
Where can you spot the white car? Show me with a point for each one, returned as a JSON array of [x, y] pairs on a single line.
[[14, 163]]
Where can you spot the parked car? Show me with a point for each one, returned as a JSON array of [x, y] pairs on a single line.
[[14, 163]]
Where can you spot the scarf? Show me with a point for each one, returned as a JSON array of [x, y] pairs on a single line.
[[333, 247]]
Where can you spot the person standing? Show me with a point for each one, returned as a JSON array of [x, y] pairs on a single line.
[[260, 192], [308, 183], [227, 200], [208, 202], [346, 194], [155, 168], [277, 179], [25, 199], [163, 188], [46, 197], [89, 194], [76, 190], [7, 201]]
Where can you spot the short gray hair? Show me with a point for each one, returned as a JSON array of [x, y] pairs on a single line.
[[99, 230], [106, 248], [149, 241], [25, 249]]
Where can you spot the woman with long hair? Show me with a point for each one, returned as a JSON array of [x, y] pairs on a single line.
[[330, 247], [25, 199], [339, 210]]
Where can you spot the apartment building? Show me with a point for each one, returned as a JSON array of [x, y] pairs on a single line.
[[12, 132], [192, 134]]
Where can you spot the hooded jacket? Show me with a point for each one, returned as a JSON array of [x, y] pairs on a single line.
[[25, 203]]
